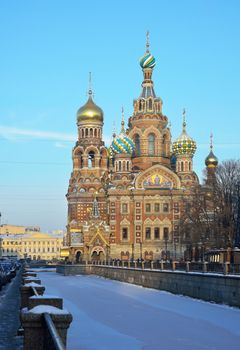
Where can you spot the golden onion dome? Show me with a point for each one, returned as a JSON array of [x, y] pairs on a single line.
[[90, 111], [211, 161]]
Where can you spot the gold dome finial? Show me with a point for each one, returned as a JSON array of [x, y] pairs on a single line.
[[211, 141], [211, 161]]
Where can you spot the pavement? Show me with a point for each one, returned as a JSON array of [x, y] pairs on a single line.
[[9, 315]]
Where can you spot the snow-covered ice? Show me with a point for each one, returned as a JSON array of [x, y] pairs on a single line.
[[113, 315]]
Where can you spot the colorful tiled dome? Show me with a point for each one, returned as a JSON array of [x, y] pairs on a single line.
[[122, 144], [147, 61], [184, 144]]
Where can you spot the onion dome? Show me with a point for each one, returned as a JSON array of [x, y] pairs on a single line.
[[211, 161], [147, 61], [122, 143], [90, 111], [184, 144]]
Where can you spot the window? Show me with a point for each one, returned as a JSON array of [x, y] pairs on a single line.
[[165, 207], [91, 158], [124, 233], [150, 104], [166, 233], [156, 233], [137, 144], [151, 144], [148, 233], [157, 207], [148, 208], [124, 208]]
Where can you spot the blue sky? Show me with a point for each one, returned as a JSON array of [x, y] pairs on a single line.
[[47, 50]]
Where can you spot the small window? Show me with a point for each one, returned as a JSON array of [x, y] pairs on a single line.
[[165, 207], [148, 208], [157, 207], [166, 233], [124, 233], [148, 233], [156, 233], [124, 208]]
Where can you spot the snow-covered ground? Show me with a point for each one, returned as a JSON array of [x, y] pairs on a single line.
[[113, 315]]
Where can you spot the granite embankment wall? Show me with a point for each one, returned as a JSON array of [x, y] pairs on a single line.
[[222, 289]]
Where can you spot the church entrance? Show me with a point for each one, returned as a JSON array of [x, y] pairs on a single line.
[[98, 255], [78, 257]]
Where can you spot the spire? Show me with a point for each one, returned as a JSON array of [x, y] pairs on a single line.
[[211, 141], [95, 209], [184, 124], [90, 92], [114, 129], [147, 42], [122, 122]]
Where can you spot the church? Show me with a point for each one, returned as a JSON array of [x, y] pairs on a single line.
[[125, 201]]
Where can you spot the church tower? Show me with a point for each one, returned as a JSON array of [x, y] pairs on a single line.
[[148, 127], [90, 164]]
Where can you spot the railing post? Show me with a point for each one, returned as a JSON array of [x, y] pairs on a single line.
[[118, 263], [129, 264], [162, 265], [143, 265], [122, 263], [226, 268], [151, 265], [205, 264], [135, 264], [187, 266], [174, 265]]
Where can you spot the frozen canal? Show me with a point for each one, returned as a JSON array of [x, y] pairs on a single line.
[[113, 315]]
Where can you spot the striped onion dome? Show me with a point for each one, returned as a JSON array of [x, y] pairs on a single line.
[[147, 61]]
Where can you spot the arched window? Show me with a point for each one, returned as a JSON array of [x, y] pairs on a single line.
[[150, 104], [86, 132], [137, 144], [127, 165], [82, 133], [181, 166], [95, 132], [91, 132], [119, 166], [151, 144], [91, 159], [189, 166]]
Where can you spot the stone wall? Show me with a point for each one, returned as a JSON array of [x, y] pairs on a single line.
[[210, 287]]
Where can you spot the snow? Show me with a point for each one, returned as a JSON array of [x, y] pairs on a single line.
[[40, 309], [45, 296], [32, 284], [109, 314]]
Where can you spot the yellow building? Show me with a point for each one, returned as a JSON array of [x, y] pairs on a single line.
[[16, 229], [37, 246]]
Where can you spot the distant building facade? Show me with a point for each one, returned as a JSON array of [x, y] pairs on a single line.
[[34, 245], [15, 229]]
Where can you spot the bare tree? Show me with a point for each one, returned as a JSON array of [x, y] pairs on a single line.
[[211, 215]]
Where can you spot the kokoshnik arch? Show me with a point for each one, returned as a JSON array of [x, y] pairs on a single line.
[[125, 201]]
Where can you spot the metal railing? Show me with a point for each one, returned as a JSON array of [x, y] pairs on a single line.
[[188, 266], [56, 339]]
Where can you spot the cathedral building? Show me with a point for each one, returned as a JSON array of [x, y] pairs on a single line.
[[125, 201]]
